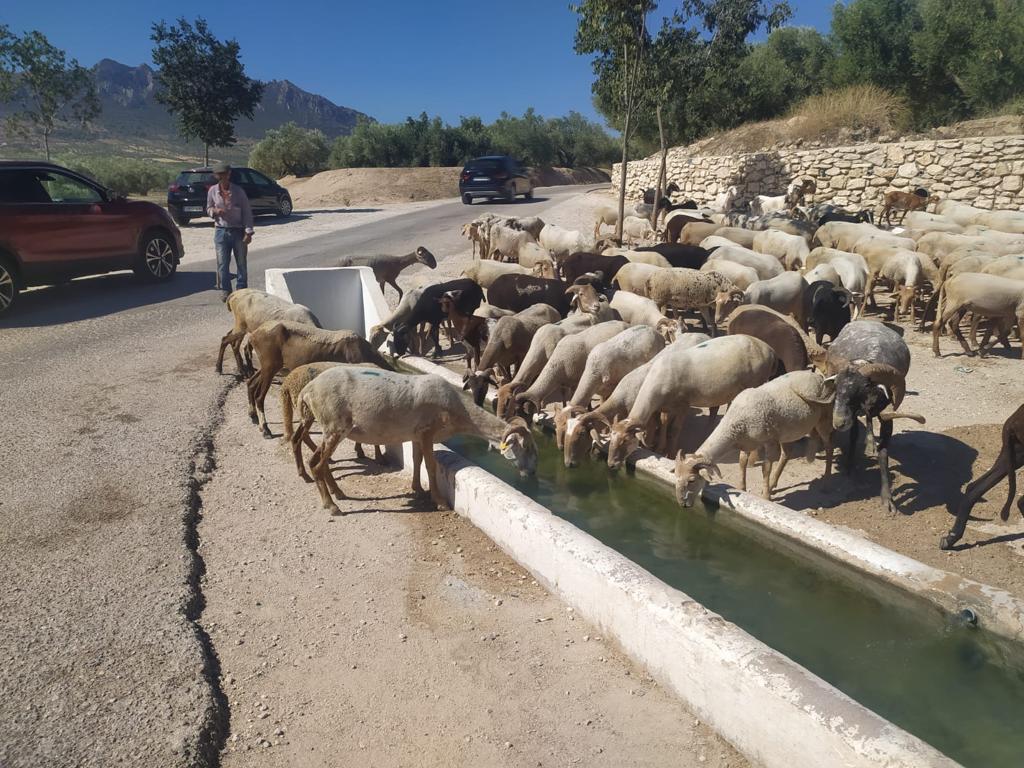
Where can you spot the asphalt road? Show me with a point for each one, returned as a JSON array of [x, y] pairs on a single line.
[[108, 401]]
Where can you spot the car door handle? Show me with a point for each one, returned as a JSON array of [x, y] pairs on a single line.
[[95, 208]]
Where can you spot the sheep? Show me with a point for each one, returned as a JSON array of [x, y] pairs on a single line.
[[580, 263], [941, 244], [1011, 267], [930, 222], [474, 232], [507, 242], [678, 254], [517, 292], [827, 308], [605, 214], [693, 232], [778, 412], [427, 311], [250, 308], [1010, 459], [738, 236], [386, 267], [870, 362], [579, 423], [565, 366], [688, 289], [531, 224], [640, 310], [653, 258], [472, 330], [766, 266], [712, 242], [726, 199], [894, 200], [402, 312], [961, 213], [508, 344], [586, 299], [762, 204], [984, 295], [797, 191], [791, 250], [532, 254], [291, 386], [708, 375], [362, 403], [842, 235], [632, 277], [484, 273], [606, 365], [780, 332], [543, 343], [740, 276], [783, 293], [650, 193], [825, 272], [852, 269], [677, 221], [561, 242], [860, 217], [906, 272], [283, 344]]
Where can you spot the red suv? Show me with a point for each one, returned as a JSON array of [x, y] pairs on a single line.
[[56, 225]]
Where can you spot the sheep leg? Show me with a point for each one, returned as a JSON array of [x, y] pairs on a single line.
[[394, 285], [766, 473], [301, 434], [417, 459], [322, 471], [378, 454], [959, 333], [286, 415], [744, 459], [851, 448], [435, 334], [250, 389], [825, 433], [972, 495], [781, 465], [359, 451], [941, 320], [427, 447], [233, 338], [709, 321], [264, 380], [884, 436]]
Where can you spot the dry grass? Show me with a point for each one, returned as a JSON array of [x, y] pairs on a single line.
[[860, 108]]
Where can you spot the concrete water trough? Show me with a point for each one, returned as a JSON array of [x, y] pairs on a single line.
[[775, 710]]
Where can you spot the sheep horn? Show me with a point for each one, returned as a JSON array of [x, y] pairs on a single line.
[[593, 416], [888, 415], [844, 293], [883, 373]]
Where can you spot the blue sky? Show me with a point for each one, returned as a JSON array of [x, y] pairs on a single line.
[[388, 59]]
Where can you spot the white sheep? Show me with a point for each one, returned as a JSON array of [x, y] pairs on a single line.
[[1011, 267], [483, 273], [843, 234], [791, 250], [762, 419], [738, 275], [766, 266], [561, 242], [637, 230], [361, 404], [825, 272], [605, 214], [653, 258], [989, 296], [632, 277], [507, 242], [726, 199], [684, 289], [784, 293], [737, 236], [399, 314], [708, 375], [640, 310], [387, 267], [763, 204]]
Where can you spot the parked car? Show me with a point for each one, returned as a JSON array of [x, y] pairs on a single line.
[[494, 176], [186, 197], [56, 225]]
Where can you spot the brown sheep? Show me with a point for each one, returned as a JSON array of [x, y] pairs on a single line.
[[471, 329], [906, 202], [778, 331]]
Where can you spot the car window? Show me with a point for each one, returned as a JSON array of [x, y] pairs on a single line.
[[65, 189], [21, 186], [260, 179], [241, 176], [195, 177], [484, 166]]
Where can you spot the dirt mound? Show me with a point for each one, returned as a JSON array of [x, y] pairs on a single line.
[[349, 186]]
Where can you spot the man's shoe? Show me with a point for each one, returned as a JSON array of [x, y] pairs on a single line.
[[224, 295]]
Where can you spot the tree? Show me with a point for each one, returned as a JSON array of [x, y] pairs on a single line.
[[48, 85], [202, 82], [290, 150], [615, 32], [872, 39]]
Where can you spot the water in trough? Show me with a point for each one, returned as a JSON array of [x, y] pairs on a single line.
[[958, 688]]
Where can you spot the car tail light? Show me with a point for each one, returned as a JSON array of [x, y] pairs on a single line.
[[174, 188], [464, 177]]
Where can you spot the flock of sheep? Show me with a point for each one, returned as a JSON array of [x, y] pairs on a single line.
[[601, 331]]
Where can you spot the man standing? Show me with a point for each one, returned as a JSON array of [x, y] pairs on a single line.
[[229, 208]]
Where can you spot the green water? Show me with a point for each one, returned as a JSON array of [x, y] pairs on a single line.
[[960, 689]]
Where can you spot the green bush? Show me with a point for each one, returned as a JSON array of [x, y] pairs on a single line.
[[123, 175], [290, 150]]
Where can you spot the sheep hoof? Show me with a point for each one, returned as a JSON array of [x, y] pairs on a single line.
[[254, 418], [267, 434], [947, 541], [306, 477], [219, 369], [335, 512]]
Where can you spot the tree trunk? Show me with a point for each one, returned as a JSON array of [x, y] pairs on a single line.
[[46, 144], [206, 154], [622, 180], [662, 171]]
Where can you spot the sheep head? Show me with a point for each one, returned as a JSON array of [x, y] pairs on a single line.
[[726, 301], [518, 446], [861, 390], [624, 439], [570, 422], [477, 382], [693, 472], [423, 256], [668, 329], [400, 340], [504, 403]]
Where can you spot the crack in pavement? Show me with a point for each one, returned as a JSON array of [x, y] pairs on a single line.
[[216, 724]]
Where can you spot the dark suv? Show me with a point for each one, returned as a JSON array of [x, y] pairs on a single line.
[[186, 197], [494, 176], [56, 225]]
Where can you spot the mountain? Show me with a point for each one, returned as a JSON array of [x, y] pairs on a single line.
[[133, 121]]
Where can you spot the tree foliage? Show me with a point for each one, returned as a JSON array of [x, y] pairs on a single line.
[[424, 141], [290, 150], [44, 85], [202, 82]]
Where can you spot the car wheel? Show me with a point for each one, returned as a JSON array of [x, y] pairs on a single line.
[[510, 193], [158, 258], [529, 194], [284, 208], [467, 199], [9, 284]]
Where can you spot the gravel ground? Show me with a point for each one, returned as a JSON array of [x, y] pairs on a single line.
[[401, 636]]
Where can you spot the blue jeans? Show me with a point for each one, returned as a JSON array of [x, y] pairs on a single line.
[[227, 241]]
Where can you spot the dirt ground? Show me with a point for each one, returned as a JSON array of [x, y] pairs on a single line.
[[401, 636], [361, 186]]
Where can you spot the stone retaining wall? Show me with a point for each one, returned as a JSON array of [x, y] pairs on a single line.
[[987, 172]]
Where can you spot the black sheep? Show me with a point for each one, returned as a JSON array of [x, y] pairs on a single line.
[[517, 292], [680, 254], [427, 310], [581, 262], [827, 308]]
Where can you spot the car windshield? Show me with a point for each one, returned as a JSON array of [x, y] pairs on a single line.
[[195, 177], [485, 166]]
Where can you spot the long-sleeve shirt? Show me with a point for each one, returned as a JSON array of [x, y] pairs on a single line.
[[234, 202]]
